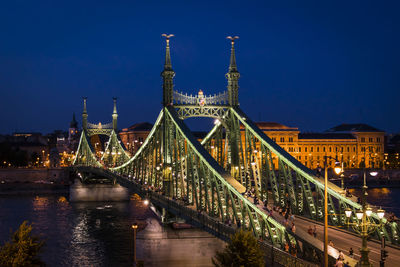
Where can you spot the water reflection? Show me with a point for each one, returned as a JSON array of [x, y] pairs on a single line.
[[77, 234], [387, 198]]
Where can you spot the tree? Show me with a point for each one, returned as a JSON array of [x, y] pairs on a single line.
[[23, 249], [242, 250]]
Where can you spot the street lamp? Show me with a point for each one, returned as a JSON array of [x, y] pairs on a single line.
[[364, 226], [134, 227], [337, 169]]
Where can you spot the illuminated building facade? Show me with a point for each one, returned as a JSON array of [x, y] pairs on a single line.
[[134, 136], [352, 144]]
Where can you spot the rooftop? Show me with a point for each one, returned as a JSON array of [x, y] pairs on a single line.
[[357, 127], [326, 136], [273, 126], [141, 126]]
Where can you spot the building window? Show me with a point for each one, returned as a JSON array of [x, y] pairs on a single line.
[[282, 139], [330, 149], [274, 139], [348, 149], [371, 139], [362, 139], [323, 149], [311, 149], [354, 149], [299, 149], [305, 149], [291, 149], [290, 139], [363, 149], [299, 157], [378, 149], [317, 148], [378, 139], [305, 157]]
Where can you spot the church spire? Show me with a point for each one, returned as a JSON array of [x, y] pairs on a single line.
[[167, 74], [84, 115], [115, 114], [73, 124], [233, 76]]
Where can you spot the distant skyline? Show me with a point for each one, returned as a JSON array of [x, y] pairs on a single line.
[[308, 64]]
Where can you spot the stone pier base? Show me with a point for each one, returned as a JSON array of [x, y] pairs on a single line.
[[97, 192]]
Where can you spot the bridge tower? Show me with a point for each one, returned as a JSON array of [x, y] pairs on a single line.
[[115, 115], [168, 75], [168, 86], [84, 115], [233, 76], [233, 100]]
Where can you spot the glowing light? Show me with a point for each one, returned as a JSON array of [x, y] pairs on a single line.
[[146, 202], [368, 211], [381, 213], [374, 173], [359, 214], [348, 212]]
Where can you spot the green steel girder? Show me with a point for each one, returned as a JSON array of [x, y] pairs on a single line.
[[207, 182], [91, 132], [189, 111], [334, 192], [114, 153], [84, 155]]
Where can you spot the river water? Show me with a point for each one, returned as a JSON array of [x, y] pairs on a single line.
[[100, 234]]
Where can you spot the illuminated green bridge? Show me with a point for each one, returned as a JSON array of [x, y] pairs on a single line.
[[207, 183]]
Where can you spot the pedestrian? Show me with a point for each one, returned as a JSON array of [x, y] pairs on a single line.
[[285, 222], [341, 255], [331, 243], [293, 228], [310, 230], [294, 250], [292, 217], [286, 247], [351, 252], [339, 263], [315, 231]]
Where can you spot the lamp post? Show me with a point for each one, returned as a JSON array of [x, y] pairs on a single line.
[[134, 227], [337, 169], [364, 226]]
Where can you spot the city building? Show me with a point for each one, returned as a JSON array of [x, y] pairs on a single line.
[[134, 136], [355, 145]]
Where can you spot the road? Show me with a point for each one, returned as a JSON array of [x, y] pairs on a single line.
[[343, 241]]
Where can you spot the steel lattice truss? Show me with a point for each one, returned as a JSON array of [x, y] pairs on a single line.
[[291, 183], [176, 162], [114, 153], [213, 176]]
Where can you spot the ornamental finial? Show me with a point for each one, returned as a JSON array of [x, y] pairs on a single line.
[[167, 64], [232, 39], [167, 36], [232, 64]]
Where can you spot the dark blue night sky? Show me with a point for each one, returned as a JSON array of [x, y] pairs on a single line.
[[307, 64]]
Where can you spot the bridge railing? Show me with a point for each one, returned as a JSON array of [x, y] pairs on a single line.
[[210, 224]]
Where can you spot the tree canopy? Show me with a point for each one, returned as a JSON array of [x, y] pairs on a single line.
[[22, 249], [242, 250]]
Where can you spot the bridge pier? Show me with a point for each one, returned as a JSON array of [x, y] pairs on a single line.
[[97, 192]]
